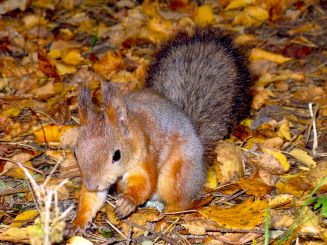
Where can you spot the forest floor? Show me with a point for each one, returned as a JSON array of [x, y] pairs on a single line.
[[268, 184]]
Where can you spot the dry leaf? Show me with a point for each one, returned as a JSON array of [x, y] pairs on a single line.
[[211, 181], [260, 98], [78, 240], [254, 187], [50, 133], [24, 217], [73, 58], [303, 157], [15, 235], [246, 215], [108, 64], [64, 69], [273, 161], [284, 130], [260, 54], [280, 200], [229, 162], [309, 94], [251, 16], [234, 4], [203, 15]]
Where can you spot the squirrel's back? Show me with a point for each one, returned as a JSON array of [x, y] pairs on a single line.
[[208, 78]]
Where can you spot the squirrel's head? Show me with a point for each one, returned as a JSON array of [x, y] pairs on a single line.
[[105, 149]]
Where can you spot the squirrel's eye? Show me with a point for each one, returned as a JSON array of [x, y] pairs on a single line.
[[116, 156]]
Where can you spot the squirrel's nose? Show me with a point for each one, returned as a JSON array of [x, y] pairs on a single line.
[[90, 184]]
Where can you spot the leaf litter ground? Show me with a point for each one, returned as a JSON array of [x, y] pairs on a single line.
[[274, 161]]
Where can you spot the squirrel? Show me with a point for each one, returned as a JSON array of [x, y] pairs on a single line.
[[155, 143]]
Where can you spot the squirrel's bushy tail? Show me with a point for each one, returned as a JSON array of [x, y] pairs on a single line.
[[208, 78]]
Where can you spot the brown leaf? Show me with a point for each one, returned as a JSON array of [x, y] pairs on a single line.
[[46, 67], [246, 215]]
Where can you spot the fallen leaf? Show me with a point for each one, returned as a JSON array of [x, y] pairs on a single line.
[[260, 98], [108, 64], [303, 157], [246, 215], [254, 187], [273, 161], [50, 133], [309, 93], [203, 15], [260, 54], [280, 200], [229, 162], [64, 69], [284, 130], [73, 58], [251, 16], [78, 240], [234, 4], [15, 235], [24, 217], [211, 181]]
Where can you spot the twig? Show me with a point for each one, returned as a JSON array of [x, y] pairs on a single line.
[[313, 114], [117, 230], [162, 236], [28, 167]]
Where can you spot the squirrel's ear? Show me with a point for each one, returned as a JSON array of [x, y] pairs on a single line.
[[85, 106], [115, 107]]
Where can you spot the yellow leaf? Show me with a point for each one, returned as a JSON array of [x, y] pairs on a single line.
[[280, 200], [303, 157], [251, 16], [260, 54], [254, 187], [234, 4], [246, 215], [252, 141], [280, 157], [211, 182], [204, 15], [73, 58], [16, 172], [78, 240], [247, 122], [229, 162], [24, 217], [50, 133], [54, 54], [109, 64], [284, 130], [15, 235], [245, 39], [11, 112], [64, 69]]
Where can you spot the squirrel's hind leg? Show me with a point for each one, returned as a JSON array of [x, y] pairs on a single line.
[[177, 184]]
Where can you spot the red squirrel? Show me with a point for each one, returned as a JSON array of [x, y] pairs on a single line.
[[155, 142]]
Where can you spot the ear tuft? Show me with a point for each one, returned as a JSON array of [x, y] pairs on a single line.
[[108, 90], [85, 105], [114, 106]]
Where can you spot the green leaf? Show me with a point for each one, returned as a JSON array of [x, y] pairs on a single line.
[[321, 202]]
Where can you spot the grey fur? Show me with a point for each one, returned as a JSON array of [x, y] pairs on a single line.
[[208, 79]]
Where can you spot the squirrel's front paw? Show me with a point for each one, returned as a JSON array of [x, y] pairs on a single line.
[[77, 227], [124, 207]]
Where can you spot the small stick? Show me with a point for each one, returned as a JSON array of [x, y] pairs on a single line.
[[28, 167], [313, 114], [162, 236], [116, 229]]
